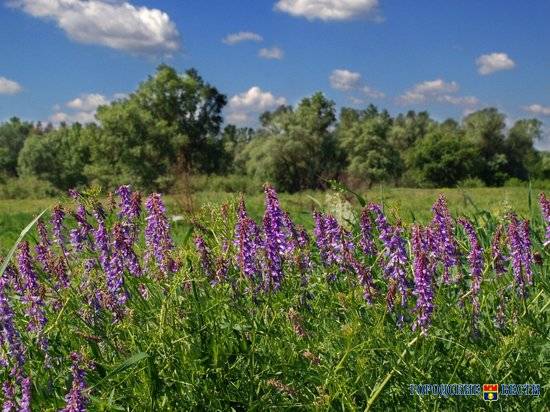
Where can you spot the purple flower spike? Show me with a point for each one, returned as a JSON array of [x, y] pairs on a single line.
[[248, 243], [321, 238], [545, 209], [80, 234], [423, 281], [205, 259], [76, 400], [273, 249], [58, 216], [277, 223], [8, 331], [475, 260], [395, 258], [367, 242], [157, 235], [445, 245], [32, 296], [519, 243], [26, 391], [499, 260], [9, 404]]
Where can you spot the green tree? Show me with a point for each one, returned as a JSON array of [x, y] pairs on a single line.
[[519, 147], [442, 158], [133, 146], [295, 149], [364, 138], [59, 156], [485, 129], [12, 138]]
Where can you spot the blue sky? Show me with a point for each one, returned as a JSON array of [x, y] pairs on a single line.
[[61, 58]]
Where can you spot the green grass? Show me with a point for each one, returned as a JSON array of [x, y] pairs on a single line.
[[190, 346]]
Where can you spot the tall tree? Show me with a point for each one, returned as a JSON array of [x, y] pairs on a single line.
[[12, 138]]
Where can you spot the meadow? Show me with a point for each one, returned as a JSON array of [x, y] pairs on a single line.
[[230, 303]]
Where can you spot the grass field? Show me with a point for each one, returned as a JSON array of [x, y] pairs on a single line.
[[340, 336]]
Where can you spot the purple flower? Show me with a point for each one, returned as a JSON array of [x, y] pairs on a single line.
[[277, 223], [157, 235], [8, 331], [204, 254], [545, 209], [321, 238], [123, 247], [26, 391], [423, 279], [475, 261], [101, 240], [516, 251], [367, 243], [499, 261], [32, 296], [445, 245], [80, 233], [58, 215], [76, 400], [395, 258], [274, 247], [130, 209], [364, 277], [248, 242], [9, 404]]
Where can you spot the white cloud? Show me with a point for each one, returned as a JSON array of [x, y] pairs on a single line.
[[373, 93], [271, 53], [328, 9], [348, 81], [241, 36], [112, 23], [538, 109], [344, 80], [437, 90], [8, 86], [82, 109], [87, 102], [252, 102], [494, 62]]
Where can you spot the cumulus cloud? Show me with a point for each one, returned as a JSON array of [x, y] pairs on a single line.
[[327, 10], [538, 109], [344, 80], [87, 102], [348, 81], [82, 109], [494, 62], [271, 53], [243, 106], [373, 93], [437, 90], [8, 86], [116, 24], [241, 36]]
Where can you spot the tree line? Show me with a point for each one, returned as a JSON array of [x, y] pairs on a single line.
[[173, 124]]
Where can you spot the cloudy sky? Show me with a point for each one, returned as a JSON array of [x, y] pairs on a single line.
[[60, 59]]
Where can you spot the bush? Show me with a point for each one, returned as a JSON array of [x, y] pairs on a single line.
[[27, 188]]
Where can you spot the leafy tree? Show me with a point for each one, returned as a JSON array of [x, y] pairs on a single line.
[[133, 146], [409, 128], [190, 105], [59, 156], [485, 129], [363, 137], [519, 147], [296, 149], [442, 159], [12, 138]]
